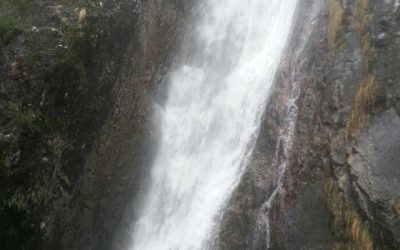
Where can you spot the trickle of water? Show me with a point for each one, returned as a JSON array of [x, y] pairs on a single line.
[[261, 239], [210, 120]]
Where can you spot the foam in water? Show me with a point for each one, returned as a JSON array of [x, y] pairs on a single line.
[[209, 122]]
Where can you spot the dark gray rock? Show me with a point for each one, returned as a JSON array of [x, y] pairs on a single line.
[[306, 220], [375, 159]]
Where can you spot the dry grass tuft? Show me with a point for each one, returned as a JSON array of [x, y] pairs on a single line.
[[368, 52], [361, 14], [350, 232], [363, 102], [335, 23], [397, 206], [363, 19], [360, 237]]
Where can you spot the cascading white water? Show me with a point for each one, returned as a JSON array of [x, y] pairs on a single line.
[[210, 120]]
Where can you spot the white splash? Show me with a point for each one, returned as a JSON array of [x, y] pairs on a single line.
[[210, 120]]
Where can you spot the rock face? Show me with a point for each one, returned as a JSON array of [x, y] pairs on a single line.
[[374, 160], [340, 188], [76, 83]]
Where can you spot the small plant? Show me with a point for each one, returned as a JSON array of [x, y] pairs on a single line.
[[16, 202], [335, 23]]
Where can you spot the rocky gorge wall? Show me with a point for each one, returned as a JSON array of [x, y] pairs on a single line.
[[76, 83], [341, 181]]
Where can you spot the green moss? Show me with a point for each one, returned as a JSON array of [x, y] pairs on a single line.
[[9, 28], [7, 22]]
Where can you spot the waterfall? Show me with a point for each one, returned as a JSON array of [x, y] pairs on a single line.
[[217, 93]]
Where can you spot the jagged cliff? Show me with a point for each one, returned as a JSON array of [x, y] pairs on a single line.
[[77, 80]]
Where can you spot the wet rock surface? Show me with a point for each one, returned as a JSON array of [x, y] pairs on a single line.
[[76, 83], [374, 158], [340, 188]]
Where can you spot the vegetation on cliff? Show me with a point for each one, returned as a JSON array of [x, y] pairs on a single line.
[[50, 104]]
